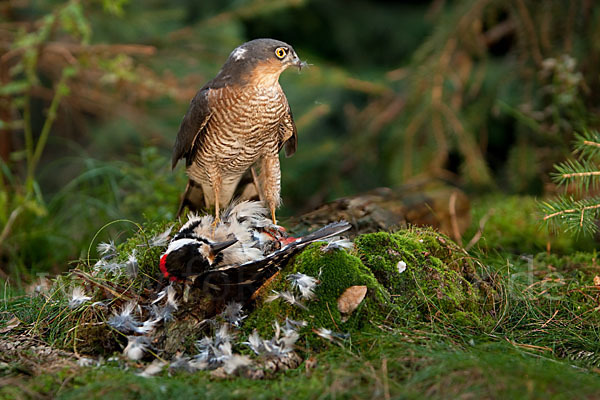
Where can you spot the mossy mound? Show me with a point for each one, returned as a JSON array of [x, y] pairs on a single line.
[[337, 270], [429, 276], [440, 281]]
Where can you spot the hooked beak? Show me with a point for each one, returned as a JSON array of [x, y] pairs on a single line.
[[216, 248], [296, 62]]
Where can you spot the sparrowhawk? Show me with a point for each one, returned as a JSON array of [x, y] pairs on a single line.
[[238, 120]]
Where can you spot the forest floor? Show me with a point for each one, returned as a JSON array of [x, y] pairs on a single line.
[[515, 317]]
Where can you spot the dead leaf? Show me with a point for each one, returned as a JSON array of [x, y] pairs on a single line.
[[597, 280], [351, 298], [10, 325]]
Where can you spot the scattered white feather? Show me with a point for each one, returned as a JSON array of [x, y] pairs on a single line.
[[166, 311], [255, 342], [136, 347], [223, 335], [182, 363], [281, 344], [278, 346], [171, 300], [337, 243], [131, 265], [124, 321], [306, 284], [147, 326], [87, 362], [223, 352], [233, 314], [217, 351], [401, 266], [213, 351], [292, 325], [324, 333], [78, 297], [286, 296], [152, 369], [330, 335], [161, 239], [106, 249], [100, 264], [115, 268], [161, 295]]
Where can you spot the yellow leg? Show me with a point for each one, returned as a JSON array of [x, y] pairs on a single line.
[[217, 209], [273, 215]]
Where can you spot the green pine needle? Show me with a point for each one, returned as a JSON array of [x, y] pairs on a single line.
[[572, 215]]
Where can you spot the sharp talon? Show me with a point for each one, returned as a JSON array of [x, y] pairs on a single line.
[[216, 222]]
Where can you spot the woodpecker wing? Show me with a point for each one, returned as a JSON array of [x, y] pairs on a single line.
[[240, 281]]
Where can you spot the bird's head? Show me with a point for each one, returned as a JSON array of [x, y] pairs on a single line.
[[192, 256], [262, 60]]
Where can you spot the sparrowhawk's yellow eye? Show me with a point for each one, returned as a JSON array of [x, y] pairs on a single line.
[[280, 52]]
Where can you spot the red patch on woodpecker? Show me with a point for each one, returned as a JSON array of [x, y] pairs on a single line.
[[163, 265], [163, 268], [288, 240]]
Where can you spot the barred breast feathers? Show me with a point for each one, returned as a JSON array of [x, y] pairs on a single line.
[[244, 127]]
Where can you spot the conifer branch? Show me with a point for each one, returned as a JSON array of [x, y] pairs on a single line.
[[579, 215], [581, 174], [590, 143]]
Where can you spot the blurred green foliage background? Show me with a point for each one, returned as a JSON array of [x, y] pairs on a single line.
[[484, 94]]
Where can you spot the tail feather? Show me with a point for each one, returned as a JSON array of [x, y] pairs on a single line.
[[193, 198], [327, 231]]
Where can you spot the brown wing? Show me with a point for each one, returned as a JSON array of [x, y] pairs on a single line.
[[190, 129], [289, 134]]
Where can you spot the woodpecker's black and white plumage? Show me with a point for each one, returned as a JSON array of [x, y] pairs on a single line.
[[238, 254]]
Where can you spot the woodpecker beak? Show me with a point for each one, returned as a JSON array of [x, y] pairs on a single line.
[[216, 248]]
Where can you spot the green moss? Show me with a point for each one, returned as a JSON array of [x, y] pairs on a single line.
[[513, 223], [439, 278], [147, 255], [337, 270]]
